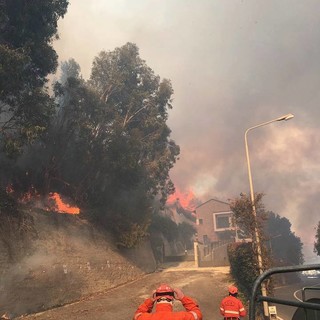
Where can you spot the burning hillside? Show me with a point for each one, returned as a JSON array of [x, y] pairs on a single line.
[[52, 202], [60, 206]]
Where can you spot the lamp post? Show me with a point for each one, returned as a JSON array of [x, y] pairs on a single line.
[[256, 233]]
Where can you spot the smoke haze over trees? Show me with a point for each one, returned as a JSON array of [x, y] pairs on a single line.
[[74, 142], [102, 142], [233, 64], [279, 245], [285, 247]]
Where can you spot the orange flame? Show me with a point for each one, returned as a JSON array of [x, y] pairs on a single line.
[[34, 198], [187, 199], [61, 206]]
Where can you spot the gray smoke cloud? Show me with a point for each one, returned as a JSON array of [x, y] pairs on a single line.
[[233, 65]]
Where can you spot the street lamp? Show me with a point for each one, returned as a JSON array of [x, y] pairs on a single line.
[[256, 233]]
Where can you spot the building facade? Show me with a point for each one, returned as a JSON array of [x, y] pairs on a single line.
[[214, 222]]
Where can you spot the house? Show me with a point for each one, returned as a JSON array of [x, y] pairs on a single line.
[[214, 222]]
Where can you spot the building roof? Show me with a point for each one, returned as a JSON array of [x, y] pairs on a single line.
[[216, 200]]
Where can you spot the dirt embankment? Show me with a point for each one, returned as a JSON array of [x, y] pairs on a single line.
[[66, 261]]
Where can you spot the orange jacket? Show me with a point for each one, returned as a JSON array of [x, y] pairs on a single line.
[[164, 311], [232, 307]]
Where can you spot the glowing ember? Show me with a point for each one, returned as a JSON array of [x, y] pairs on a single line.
[[62, 207], [26, 197], [9, 188], [29, 196], [187, 199]]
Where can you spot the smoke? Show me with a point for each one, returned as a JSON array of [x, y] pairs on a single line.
[[233, 65]]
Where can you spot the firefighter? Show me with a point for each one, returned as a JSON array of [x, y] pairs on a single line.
[[231, 308], [163, 298]]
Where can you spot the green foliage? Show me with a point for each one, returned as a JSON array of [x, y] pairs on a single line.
[[108, 145], [130, 235], [243, 213], [252, 224], [119, 133], [69, 69], [244, 270], [138, 102], [317, 240], [26, 58], [186, 232], [243, 266], [105, 142], [285, 246], [280, 246], [32, 26], [276, 241], [12, 62], [165, 226]]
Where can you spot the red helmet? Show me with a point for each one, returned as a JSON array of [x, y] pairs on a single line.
[[233, 290], [164, 291]]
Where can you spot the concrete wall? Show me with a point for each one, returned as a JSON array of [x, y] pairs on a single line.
[[217, 257]]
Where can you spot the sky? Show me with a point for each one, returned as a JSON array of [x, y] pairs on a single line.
[[233, 64]]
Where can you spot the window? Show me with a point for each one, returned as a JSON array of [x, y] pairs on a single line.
[[200, 221], [223, 221]]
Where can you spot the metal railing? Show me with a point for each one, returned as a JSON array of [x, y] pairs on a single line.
[[259, 298]]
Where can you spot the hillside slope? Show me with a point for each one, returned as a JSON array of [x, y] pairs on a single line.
[[65, 260]]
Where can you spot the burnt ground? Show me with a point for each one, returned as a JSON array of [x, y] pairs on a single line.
[[206, 285]]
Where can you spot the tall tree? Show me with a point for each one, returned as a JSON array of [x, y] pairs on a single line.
[[243, 213], [285, 246], [244, 257], [27, 29], [70, 69], [110, 149], [139, 102]]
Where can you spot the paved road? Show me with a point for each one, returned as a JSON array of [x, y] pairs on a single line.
[[206, 285], [293, 293]]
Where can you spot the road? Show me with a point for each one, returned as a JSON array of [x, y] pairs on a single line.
[[293, 292], [207, 285]]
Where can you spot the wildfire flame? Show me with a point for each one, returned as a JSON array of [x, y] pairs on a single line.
[[52, 202], [62, 207], [187, 199]]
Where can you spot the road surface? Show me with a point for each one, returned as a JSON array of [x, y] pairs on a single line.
[[293, 293], [207, 285]]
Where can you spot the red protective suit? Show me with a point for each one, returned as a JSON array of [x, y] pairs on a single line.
[[164, 311], [232, 307]]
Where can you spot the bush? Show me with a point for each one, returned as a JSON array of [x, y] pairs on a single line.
[[243, 266]]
